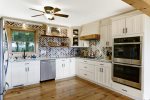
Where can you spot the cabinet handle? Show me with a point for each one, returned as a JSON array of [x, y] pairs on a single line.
[[124, 90], [62, 65], [85, 67], [126, 30], [85, 61], [85, 74], [25, 69], [28, 69], [101, 64], [102, 69], [123, 30]]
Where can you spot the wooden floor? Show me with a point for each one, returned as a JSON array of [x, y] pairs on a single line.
[[72, 89]]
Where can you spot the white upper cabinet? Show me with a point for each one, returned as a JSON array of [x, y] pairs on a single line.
[[74, 36], [90, 28], [106, 33], [134, 24], [118, 27], [128, 25]]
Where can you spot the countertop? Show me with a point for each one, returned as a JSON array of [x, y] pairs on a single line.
[[48, 58]]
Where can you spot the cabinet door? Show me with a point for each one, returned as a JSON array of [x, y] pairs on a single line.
[[72, 66], [59, 69], [8, 75], [66, 68], [83, 43], [107, 74], [33, 72], [109, 36], [118, 27], [19, 74], [104, 32], [100, 74], [134, 25]]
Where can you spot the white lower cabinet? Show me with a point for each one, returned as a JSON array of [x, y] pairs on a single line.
[[128, 91], [72, 65], [25, 73], [95, 71], [19, 74], [86, 70], [65, 68], [103, 73]]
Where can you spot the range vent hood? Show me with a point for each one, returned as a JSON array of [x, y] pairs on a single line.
[[90, 37], [142, 5]]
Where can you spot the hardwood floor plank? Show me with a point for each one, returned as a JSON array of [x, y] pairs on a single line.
[[72, 89]]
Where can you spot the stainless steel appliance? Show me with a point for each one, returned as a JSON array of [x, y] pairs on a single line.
[[48, 69], [129, 75], [127, 53], [128, 50], [3, 59]]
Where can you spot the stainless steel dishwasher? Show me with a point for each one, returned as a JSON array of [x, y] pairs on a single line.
[[48, 69]]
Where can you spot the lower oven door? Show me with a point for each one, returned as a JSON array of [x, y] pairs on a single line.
[[127, 74]]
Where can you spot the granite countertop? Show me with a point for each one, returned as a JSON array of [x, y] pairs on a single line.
[[96, 59], [47, 58]]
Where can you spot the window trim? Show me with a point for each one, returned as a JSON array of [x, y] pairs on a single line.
[[9, 31]]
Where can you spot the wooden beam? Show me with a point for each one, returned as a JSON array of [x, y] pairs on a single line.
[[142, 5]]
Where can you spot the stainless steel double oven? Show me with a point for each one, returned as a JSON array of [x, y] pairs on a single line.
[[127, 59]]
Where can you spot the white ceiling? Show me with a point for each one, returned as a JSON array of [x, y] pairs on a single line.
[[80, 11]]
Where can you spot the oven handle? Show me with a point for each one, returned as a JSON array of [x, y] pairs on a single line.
[[127, 65], [128, 43]]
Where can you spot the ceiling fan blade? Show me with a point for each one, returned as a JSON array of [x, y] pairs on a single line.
[[61, 15], [36, 10], [48, 9], [56, 10], [37, 15]]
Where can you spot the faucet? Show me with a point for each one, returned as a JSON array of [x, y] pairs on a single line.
[[24, 54]]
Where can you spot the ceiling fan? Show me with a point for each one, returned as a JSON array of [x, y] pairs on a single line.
[[50, 12]]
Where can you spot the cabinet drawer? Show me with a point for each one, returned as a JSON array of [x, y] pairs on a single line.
[[100, 63], [86, 61], [86, 67], [127, 90], [86, 74]]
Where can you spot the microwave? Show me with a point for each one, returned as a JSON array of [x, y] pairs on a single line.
[[128, 50]]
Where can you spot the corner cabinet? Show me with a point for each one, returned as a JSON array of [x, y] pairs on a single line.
[[128, 25], [25, 73], [74, 36]]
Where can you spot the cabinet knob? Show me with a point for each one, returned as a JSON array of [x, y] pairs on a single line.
[[123, 30], [85, 74]]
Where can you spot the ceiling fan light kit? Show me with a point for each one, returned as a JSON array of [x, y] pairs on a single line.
[[50, 13]]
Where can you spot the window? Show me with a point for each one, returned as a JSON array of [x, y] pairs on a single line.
[[23, 40]]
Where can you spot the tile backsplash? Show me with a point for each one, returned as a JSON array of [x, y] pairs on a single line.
[[56, 52]]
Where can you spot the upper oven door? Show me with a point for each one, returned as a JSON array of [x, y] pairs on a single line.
[[127, 50], [129, 53]]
